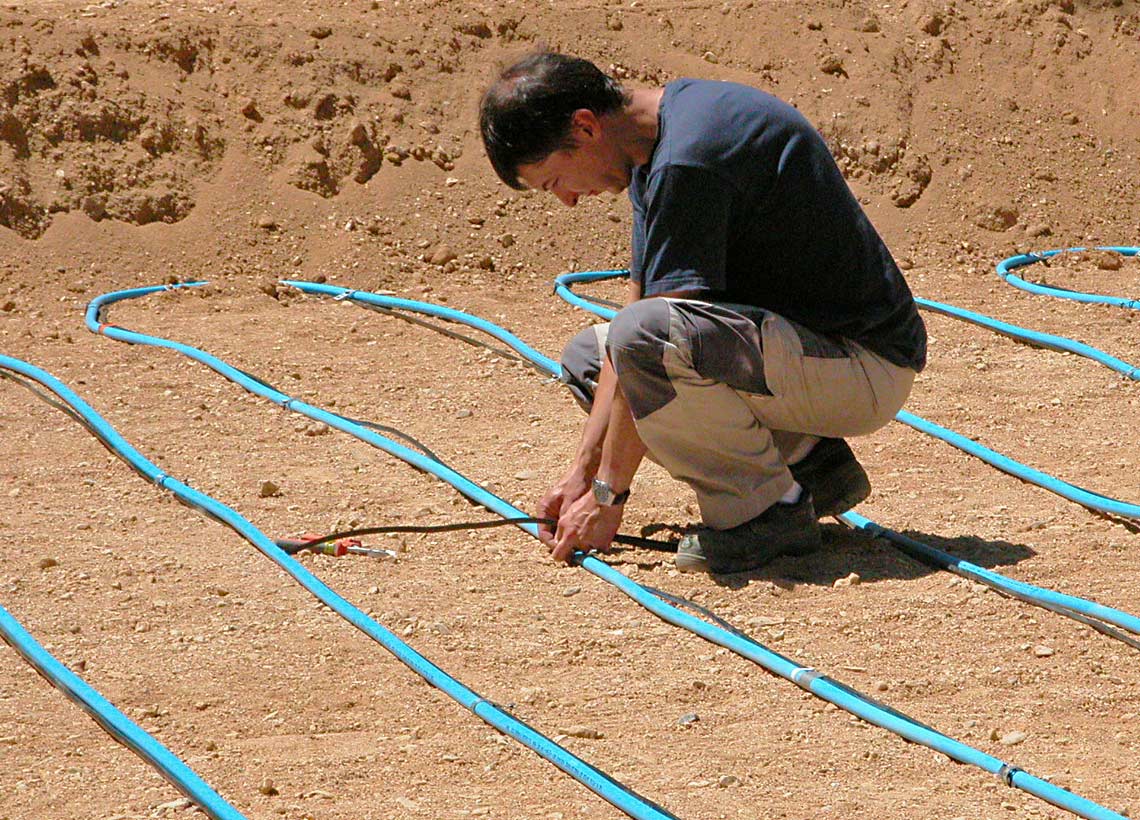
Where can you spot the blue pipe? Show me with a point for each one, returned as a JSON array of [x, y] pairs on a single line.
[[113, 722], [807, 678], [594, 779], [1006, 266]]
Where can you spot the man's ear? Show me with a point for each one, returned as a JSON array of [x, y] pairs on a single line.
[[585, 125]]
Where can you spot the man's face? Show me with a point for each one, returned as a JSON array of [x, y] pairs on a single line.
[[587, 169]]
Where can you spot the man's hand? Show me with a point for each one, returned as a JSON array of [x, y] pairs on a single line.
[[569, 489], [586, 524]]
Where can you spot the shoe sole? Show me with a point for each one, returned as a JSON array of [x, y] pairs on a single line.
[[686, 562]]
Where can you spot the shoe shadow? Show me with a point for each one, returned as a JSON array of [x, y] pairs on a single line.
[[846, 551]]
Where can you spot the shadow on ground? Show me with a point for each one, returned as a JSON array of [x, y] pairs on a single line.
[[847, 551]]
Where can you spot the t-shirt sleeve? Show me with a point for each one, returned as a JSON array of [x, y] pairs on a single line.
[[684, 244]]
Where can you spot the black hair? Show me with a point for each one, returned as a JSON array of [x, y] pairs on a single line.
[[525, 115]]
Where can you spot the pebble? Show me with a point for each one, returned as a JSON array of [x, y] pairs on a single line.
[[526, 475], [266, 222], [1012, 738], [463, 414], [831, 64], [175, 805], [1043, 651], [850, 581], [688, 719], [47, 563], [269, 490], [582, 732], [267, 787], [442, 255], [726, 780], [571, 591]]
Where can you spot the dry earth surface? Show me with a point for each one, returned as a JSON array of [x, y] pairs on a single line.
[[242, 143]]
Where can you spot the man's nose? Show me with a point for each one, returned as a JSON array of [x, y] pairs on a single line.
[[569, 198]]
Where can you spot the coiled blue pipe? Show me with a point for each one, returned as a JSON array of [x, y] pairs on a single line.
[[114, 722], [594, 779], [1005, 271], [805, 677]]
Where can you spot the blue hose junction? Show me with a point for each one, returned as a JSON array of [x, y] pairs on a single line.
[[804, 676], [594, 779]]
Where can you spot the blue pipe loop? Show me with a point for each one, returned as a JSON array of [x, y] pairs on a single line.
[[103, 712], [805, 677], [594, 779], [821, 686], [1006, 267]]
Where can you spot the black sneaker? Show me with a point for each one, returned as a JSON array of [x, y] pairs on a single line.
[[833, 476], [782, 529]]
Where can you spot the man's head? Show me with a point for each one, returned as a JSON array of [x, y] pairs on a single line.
[[538, 106]]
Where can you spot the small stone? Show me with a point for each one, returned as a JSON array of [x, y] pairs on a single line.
[[850, 581], [869, 24], [249, 110], [319, 33], [442, 255], [932, 24], [882, 686], [710, 57], [175, 805], [688, 719], [507, 239], [1043, 651], [832, 64], [269, 490], [814, 25], [726, 780], [1013, 738], [1038, 229], [463, 414], [267, 787], [583, 732], [569, 592], [1107, 260], [47, 563], [997, 217], [267, 223], [211, 746], [8, 306]]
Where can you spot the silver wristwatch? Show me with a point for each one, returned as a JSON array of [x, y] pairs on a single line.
[[604, 494]]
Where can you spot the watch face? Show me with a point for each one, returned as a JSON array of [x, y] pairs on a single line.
[[602, 492]]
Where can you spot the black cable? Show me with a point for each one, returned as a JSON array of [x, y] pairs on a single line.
[[628, 540]]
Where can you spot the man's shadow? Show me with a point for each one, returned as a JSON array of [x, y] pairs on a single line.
[[872, 558]]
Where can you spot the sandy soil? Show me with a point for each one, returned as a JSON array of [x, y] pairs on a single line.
[[242, 143]]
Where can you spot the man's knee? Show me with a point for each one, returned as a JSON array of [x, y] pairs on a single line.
[[638, 338], [581, 364]]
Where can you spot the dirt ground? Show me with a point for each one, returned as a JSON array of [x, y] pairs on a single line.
[[242, 143]]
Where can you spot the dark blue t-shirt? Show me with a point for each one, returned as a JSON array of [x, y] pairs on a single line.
[[742, 199]]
